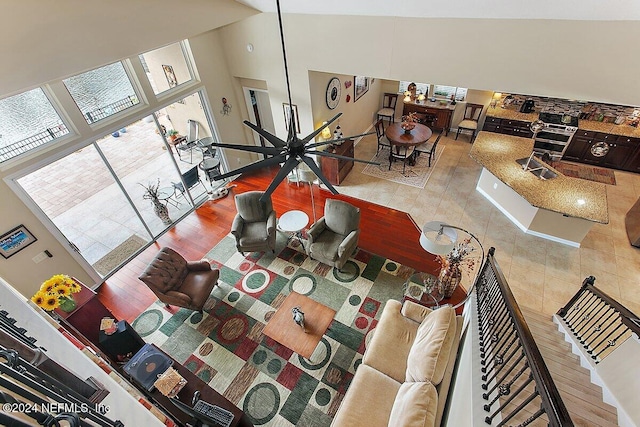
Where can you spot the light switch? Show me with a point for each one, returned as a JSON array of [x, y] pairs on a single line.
[[40, 257]]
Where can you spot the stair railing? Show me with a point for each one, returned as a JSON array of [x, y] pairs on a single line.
[[515, 377], [598, 322]]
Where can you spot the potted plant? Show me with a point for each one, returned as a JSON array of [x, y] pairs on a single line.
[[173, 134], [152, 192]]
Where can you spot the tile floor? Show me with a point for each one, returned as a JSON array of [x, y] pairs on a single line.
[[543, 275]]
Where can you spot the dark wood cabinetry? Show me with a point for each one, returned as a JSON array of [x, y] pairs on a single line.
[[508, 127], [621, 150], [336, 170], [443, 115]]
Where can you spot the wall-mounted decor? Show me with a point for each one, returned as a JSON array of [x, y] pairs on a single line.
[[347, 84], [290, 113], [171, 76], [348, 98], [226, 107], [333, 93], [15, 240], [360, 87]]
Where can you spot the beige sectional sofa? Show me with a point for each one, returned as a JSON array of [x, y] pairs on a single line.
[[406, 371]]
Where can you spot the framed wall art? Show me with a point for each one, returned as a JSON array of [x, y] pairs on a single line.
[[171, 76], [288, 114], [15, 240], [360, 86]]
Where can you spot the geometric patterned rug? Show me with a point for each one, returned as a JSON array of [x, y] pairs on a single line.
[[226, 348], [414, 176]]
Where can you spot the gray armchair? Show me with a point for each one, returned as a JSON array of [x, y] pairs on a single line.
[[334, 237], [254, 226]]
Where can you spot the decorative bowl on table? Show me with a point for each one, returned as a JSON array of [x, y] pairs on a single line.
[[407, 126]]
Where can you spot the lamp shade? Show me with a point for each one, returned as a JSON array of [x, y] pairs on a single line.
[[326, 133], [438, 238]]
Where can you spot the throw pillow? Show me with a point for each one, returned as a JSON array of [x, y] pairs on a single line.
[[415, 405], [429, 354]]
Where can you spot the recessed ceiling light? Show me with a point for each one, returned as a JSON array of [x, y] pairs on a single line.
[[249, 47], [581, 202]]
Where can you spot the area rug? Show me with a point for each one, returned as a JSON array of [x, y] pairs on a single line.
[[415, 176], [591, 173], [226, 348], [119, 254]]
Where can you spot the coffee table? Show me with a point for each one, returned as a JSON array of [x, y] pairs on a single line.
[[283, 329]]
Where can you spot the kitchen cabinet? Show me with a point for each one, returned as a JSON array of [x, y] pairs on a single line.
[[620, 152], [633, 165], [507, 126], [579, 144], [336, 170], [443, 115]]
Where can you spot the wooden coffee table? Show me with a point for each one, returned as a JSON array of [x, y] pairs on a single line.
[[283, 329]]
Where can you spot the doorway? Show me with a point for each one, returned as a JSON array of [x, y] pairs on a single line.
[[259, 108]]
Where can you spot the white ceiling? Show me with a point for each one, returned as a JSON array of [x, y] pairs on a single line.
[[582, 10]]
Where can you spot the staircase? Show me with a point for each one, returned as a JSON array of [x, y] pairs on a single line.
[[582, 398]]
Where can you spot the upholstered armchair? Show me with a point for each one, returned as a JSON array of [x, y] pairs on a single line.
[[334, 237], [176, 281], [254, 226]]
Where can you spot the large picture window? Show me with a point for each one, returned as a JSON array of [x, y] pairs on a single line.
[[27, 121], [420, 87], [441, 91], [102, 92]]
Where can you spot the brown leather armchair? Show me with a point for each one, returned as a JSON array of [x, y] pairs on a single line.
[[176, 281]]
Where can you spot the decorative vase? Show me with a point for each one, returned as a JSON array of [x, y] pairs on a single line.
[[407, 126], [161, 211], [449, 279], [67, 304]]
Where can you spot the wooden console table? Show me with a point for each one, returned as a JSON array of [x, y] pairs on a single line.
[[443, 113], [336, 170]]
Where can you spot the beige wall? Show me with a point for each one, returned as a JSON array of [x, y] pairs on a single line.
[[581, 60]]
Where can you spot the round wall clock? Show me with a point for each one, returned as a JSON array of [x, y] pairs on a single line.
[[333, 93]]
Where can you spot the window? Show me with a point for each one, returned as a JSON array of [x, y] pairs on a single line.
[[102, 92], [420, 87], [27, 121], [440, 91], [167, 67]]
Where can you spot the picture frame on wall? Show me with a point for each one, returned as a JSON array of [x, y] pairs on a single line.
[[360, 86], [15, 240], [171, 76], [288, 112]]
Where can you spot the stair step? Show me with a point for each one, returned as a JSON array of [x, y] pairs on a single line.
[[582, 398]]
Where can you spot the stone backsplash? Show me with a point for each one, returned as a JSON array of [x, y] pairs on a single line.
[[584, 110]]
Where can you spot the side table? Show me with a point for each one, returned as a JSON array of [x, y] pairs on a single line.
[[123, 343], [294, 222], [423, 289]]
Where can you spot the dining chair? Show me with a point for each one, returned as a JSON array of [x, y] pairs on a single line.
[[382, 139], [428, 148], [401, 153], [472, 113], [388, 110]]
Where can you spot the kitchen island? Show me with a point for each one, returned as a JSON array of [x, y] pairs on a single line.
[[562, 209]]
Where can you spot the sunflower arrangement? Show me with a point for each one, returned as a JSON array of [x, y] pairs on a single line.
[[56, 292]]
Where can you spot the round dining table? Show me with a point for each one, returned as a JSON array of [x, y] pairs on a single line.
[[416, 136], [398, 137]]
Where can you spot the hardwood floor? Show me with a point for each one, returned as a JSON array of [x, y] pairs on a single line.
[[387, 232]]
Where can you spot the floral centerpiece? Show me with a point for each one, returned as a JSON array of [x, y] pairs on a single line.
[[409, 122], [57, 292], [453, 265]]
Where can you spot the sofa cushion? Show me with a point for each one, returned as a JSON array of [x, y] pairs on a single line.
[[415, 405], [368, 401], [392, 339], [429, 354]]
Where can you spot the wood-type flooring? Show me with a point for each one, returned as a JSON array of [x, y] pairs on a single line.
[[387, 232]]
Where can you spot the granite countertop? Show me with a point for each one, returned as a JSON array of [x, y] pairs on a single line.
[[498, 154], [590, 125]]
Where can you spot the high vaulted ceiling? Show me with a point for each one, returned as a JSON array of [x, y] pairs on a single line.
[[596, 10]]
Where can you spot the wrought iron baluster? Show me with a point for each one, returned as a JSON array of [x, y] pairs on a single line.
[[499, 357], [485, 385]]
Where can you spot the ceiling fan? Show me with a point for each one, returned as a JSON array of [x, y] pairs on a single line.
[[294, 150]]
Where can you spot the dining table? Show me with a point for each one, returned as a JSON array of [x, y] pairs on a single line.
[[400, 138]]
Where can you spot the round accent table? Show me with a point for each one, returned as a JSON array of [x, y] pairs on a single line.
[[422, 288], [293, 222]]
